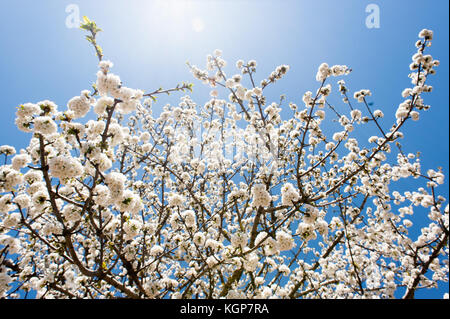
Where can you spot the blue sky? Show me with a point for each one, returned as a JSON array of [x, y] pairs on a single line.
[[150, 41]]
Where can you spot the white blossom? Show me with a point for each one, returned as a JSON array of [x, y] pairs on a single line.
[[242, 197], [65, 167]]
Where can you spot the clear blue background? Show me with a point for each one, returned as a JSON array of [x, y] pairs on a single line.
[[150, 41]]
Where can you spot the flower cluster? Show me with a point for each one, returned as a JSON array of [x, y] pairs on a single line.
[[277, 74], [360, 95], [289, 195], [422, 65], [261, 197], [64, 167], [110, 84], [80, 105], [326, 71]]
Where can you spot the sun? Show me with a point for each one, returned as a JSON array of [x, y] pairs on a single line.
[[198, 25], [177, 11], [175, 8]]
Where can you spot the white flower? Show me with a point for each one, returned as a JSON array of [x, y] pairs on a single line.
[[127, 201], [71, 213], [356, 114], [6, 203], [116, 183], [323, 72], [427, 34], [12, 220], [145, 137], [322, 226], [7, 150], [102, 195], [105, 65], [80, 106], [235, 294], [438, 177], [19, 161], [156, 250], [40, 199], [132, 227], [175, 199], [240, 92], [251, 262], [102, 161], [360, 95], [211, 261], [47, 107], [414, 115], [378, 114], [407, 223], [130, 99], [44, 125], [257, 91], [261, 196], [284, 269], [189, 218], [284, 241], [9, 178], [199, 238], [338, 70], [102, 104], [23, 200], [32, 176], [339, 136], [308, 99], [212, 244], [239, 239], [117, 136], [27, 110], [230, 83], [260, 237], [289, 194], [306, 231], [65, 167], [311, 214], [406, 92]]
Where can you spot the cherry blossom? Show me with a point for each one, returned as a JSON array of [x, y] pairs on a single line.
[[222, 198]]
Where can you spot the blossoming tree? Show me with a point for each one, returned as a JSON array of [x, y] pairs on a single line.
[[224, 199]]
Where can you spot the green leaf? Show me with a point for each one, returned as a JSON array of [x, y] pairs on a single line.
[[99, 49], [90, 38], [86, 20]]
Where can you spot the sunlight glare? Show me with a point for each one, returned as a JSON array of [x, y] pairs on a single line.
[[198, 25], [173, 8]]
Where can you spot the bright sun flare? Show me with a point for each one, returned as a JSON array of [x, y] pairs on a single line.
[[198, 25], [176, 9]]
